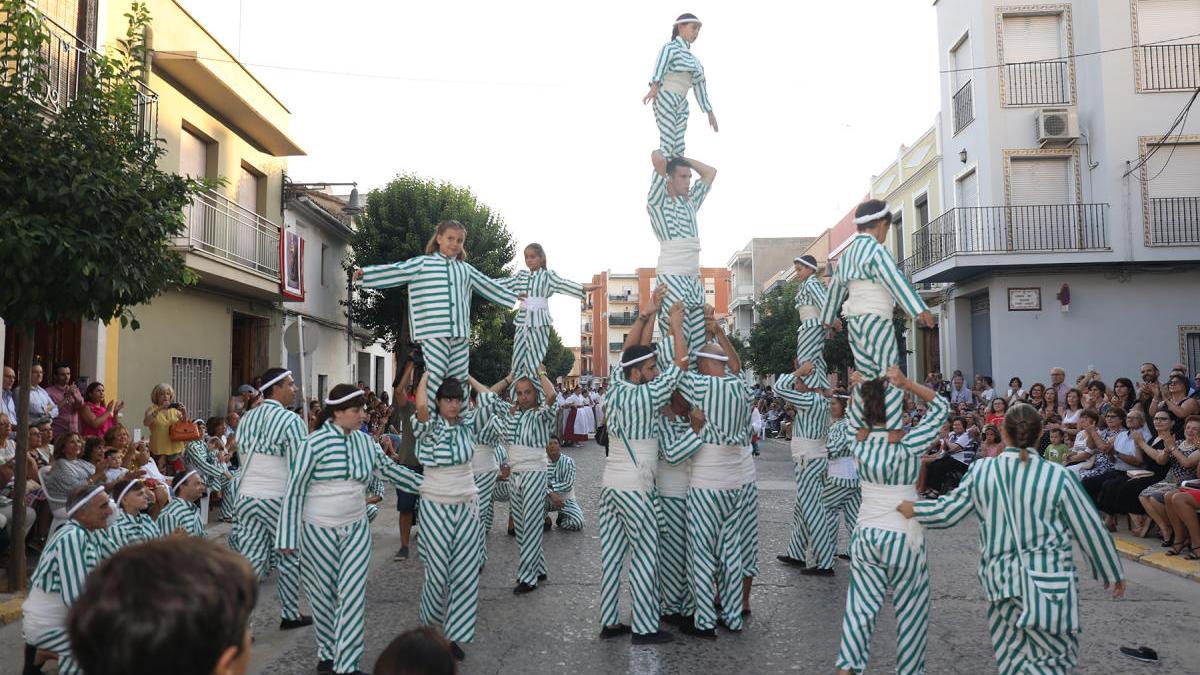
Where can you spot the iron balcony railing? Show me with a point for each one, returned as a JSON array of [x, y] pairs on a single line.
[[1037, 83], [67, 61], [1010, 229], [1175, 220], [223, 228], [908, 267], [621, 319], [964, 107], [616, 346], [1169, 67], [585, 350], [587, 327], [623, 297]]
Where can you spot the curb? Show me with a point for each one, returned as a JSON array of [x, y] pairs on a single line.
[[1157, 558]]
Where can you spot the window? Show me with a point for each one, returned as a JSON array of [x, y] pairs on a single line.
[[1173, 186], [248, 189], [1189, 343], [379, 373], [898, 233], [961, 63], [322, 386], [1038, 187], [1035, 71], [324, 256], [1168, 64], [193, 155], [921, 205], [966, 218], [966, 190], [192, 381]]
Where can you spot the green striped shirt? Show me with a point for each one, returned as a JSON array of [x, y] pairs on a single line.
[[561, 475], [270, 429], [633, 409], [331, 454], [838, 440], [878, 461], [674, 217], [70, 554], [726, 402], [197, 456], [812, 408], [811, 292], [180, 513], [1046, 508], [541, 283], [439, 293], [676, 56], [126, 530], [867, 259], [440, 443], [531, 428], [489, 433], [677, 441]]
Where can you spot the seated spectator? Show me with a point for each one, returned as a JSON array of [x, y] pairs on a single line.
[[1182, 507], [1175, 400], [1123, 394], [1057, 450], [421, 651], [987, 389], [1082, 453], [96, 416], [992, 445], [959, 393], [996, 411], [785, 422], [1053, 423], [1182, 458], [6, 511], [40, 448], [1096, 396], [1153, 468], [1123, 450], [70, 470], [1037, 397], [1015, 393], [8, 446], [203, 595], [1101, 444], [1051, 404], [957, 449], [1071, 407]]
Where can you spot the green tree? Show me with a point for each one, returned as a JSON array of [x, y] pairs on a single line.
[[398, 221], [559, 358], [87, 217], [773, 338]]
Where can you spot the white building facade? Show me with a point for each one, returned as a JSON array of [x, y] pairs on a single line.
[[751, 269], [1071, 232]]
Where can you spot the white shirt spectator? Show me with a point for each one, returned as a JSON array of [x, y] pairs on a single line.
[[1125, 447], [8, 450], [987, 394], [962, 395], [963, 441], [40, 404], [1016, 396]]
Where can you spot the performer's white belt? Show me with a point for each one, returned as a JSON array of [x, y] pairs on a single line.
[[868, 297], [620, 472], [749, 472], [449, 484], [679, 256], [265, 477], [718, 467], [673, 479], [843, 467], [807, 312], [808, 448], [533, 302], [878, 510], [677, 82], [41, 613], [526, 458], [484, 459], [334, 503]]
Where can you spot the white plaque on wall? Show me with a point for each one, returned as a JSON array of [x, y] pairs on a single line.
[[1024, 299]]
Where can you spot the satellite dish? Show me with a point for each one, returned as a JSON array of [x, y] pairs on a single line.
[[291, 338]]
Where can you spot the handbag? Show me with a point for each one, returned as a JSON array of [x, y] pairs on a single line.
[[1048, 599], [183, 431], [602, 435]]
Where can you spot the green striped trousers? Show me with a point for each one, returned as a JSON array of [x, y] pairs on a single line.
[[228, 497], [748, 528], [253, 536], [714, 537], [335, 578], [485, 482], [674, 587], [1021, 650], [810, 346], [671, 114], [873, 344], [57, 641], [812, 539], [629, 526], [529, 510], [372, 512], [882, 562], [570, 516], [529, 350], [841, 497], [450, 547], [445, 357], [688, 291]]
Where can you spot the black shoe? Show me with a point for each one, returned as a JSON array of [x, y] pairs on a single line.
[[789, 560], [30, 656], [613, 631], [1145, 654], [817, 572], [289, 624], [546, 525], [457, 651], [656, 638], [512, 532], [523, 588], [688, 627], [541, 577], [325, 667], [844, 556], [676, 620], [745, 613]]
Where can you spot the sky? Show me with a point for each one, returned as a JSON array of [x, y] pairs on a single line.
[[536, 106]]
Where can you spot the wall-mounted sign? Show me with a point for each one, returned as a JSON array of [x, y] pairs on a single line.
[[1024, 299]]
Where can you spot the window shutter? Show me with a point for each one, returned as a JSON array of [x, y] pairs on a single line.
[[1040, 181], [1032, 38], [1181, 177], [1160, 20], [968, 190]]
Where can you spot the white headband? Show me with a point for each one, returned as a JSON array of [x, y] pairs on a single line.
[[626, 364], [125, 491], [863, 220], [175, 485], [804, 262], [278, 378], [689, 20], [347, 397], [83, 502], [709, 355]]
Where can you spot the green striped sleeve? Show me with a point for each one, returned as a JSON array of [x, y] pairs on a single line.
[[918, 439], [564, 286], [948, 510], [833, 299], [76, 558], [1094, 540], [392, 274], [302, 466], [889, 275], [404, 478], [487, 287]]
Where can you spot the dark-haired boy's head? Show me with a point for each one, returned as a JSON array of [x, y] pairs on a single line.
[[421, 651]]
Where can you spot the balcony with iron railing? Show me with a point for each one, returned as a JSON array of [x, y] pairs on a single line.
[[964, 107], [1174, 220], [623, 297], [616, 346], [66, 63], [586, 328], [621, 319], [1037, 83], [976, 237], [1172, 67], [220, 229]]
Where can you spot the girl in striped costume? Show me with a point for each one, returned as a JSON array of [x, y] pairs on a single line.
[[132, 524], [70, 553], [842, 494], [451, 536], [325, 514], [560, 492], [525, 430], [268, 439], [440, 287], [810, 336], [672, 204], [533, 322], [810, 520], [1031, 512], [716, 493], [869, 283], [627, 496], [675, 72], [678, 440], [887, 551], [182, 515]]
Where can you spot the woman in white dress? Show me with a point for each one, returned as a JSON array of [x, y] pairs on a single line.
[[585, 419]]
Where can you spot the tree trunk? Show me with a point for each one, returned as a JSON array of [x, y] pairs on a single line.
[[16, 556]]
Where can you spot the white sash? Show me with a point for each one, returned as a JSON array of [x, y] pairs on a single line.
[[533, 302], [677, 82], [673, 480], [484, 459], [620, 473], [335, 503], [878, 510], [449, 484], [749, 472], [868, 297], [41, 613], [718, 467], [807, 312], [264, 478], [808, 448], [843, 467], [526, 458], [680, 257]]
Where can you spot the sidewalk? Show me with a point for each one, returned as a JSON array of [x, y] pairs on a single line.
[[1149, 552]]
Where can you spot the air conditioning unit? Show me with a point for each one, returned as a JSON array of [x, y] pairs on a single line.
[[1057, 126]]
